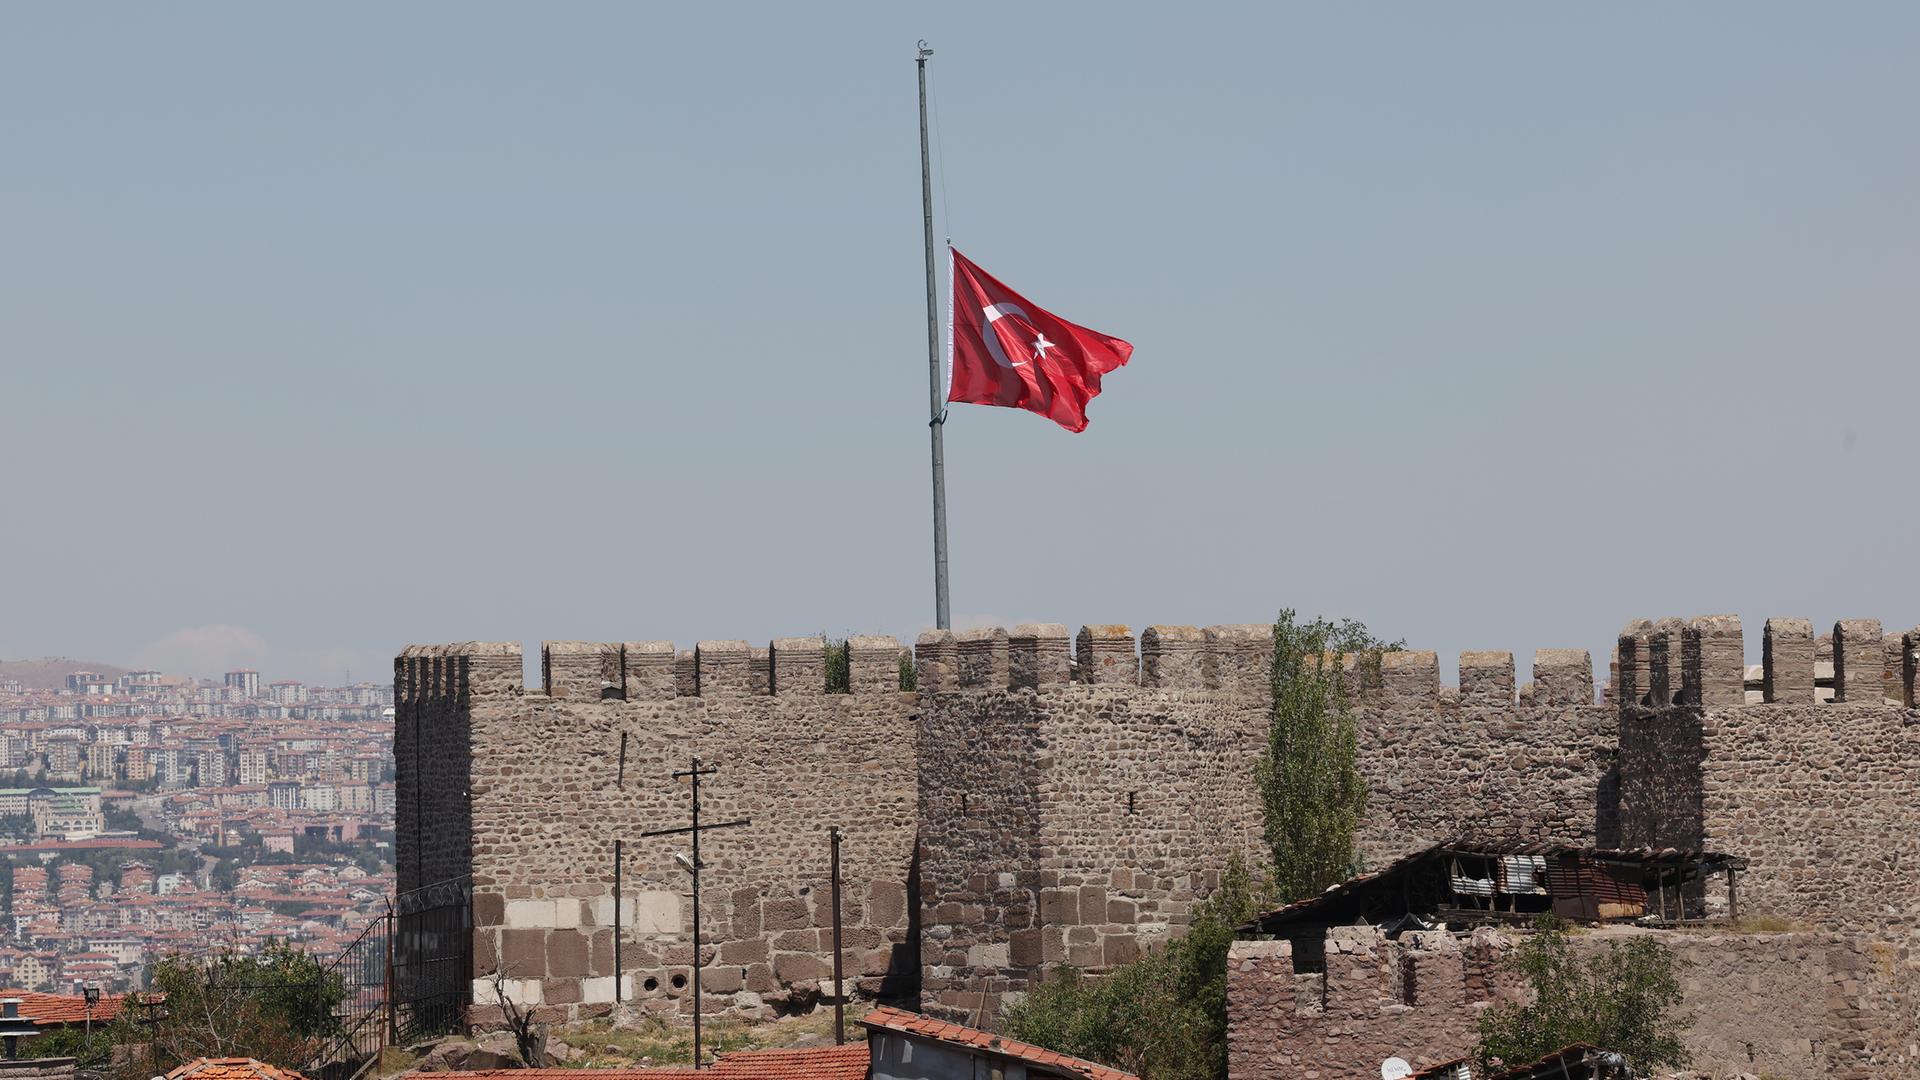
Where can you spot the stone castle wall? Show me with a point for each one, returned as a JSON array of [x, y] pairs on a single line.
[[1797, 1006], [1079, 798], [1418, 998], [1821, 798], [1046, 800], [548, 791]]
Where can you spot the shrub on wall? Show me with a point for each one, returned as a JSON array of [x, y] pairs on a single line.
[[1163, 1016], [1625, 998]]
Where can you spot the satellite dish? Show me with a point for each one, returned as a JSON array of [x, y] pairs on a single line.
[[1395, 1069]]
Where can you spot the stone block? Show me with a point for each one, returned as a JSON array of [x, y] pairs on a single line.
[[1486, 679], [1039, 655], [786, 913], [983, 658], [1059, 907], [649, 670], [723, 669], [887, 904], [723, 979], [1117, 949], [1239, 659], [599, 912], [489, 909], [1105, 653], [799, 666], [1023, 949], [567, 954], [991, 956], [1173, 658], [567, 913], [656, 912], [795, 968], [529, 914], [525, 992], [760, 979], [1635, 658], [1562, 677], [873, 664], [523, 953], [560, 991], [486, 950], [1857, 661], [1715, 659], [747, 951], [598, 990], [600, 953], [1787, 661], [1893, 669], [1093, 903], [936, 664], [1410, 678]]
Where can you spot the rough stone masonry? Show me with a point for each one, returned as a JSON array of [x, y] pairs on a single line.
[[1045, 800]]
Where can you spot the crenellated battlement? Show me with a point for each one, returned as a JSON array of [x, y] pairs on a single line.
[[644, 670], [1701, 661], [1362, 998], [1232, 658]]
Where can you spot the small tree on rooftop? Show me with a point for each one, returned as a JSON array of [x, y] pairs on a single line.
[[1625, 998], [1309, 778]]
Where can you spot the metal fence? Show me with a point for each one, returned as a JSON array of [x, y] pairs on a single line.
[[432, 959], [405, 978]]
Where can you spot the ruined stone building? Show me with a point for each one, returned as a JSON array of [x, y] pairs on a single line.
[[1041, 800]]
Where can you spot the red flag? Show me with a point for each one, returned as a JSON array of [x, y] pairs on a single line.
[[1002, 349]]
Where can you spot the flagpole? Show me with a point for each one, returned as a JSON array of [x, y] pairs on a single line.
[[936, 394]]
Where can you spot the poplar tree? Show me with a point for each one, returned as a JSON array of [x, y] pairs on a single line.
[[1309, 778]]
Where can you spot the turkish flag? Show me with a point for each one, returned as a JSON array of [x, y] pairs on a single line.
[[1003, 349]]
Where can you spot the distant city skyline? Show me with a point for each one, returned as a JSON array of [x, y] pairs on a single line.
[[331, 331]]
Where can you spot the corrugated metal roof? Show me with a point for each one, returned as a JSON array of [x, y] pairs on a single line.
[[1494, 848]]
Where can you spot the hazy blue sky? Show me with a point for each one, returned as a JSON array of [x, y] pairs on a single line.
[[328, 328]]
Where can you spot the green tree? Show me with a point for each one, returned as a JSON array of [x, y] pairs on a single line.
[[276, 1007], [1625, 998], [1309, 778], [1163, 1016], [93, 1051]]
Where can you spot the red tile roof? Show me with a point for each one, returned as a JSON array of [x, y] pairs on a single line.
[[847, 1062], [59, 1010], [909, 1023], [232, 1069]]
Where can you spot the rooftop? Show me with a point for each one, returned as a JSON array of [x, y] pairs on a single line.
[[909, 1023], [847, 1062], [1467, 881], [233, 1068]]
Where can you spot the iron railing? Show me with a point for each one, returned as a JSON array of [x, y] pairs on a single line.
[[432, 959], [405, 978]]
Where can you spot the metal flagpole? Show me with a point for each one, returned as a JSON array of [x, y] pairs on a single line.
[[936, 394]]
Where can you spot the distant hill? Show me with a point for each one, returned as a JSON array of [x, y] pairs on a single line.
[[50, 673]]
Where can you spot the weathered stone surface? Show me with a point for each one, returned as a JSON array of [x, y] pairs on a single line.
[[1050, 822]]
